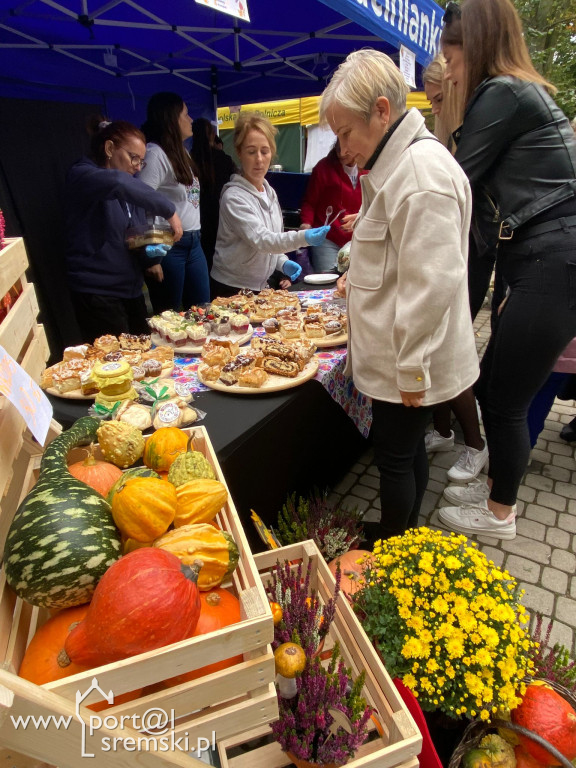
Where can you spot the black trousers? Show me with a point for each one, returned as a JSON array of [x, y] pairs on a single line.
[[400, 455], [536, 323], [98, 315]]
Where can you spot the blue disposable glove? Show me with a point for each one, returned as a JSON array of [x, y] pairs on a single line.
[[156, 251], [316, 236], [291, 270]]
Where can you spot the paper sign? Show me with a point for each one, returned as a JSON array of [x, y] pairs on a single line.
[[238, 8], [408, 65], [26, 396]]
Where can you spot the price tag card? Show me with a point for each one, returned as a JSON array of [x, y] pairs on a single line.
[[408, 65], [26, 396]]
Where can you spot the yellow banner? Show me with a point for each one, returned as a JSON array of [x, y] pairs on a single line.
[[303, 111], [278, 112]]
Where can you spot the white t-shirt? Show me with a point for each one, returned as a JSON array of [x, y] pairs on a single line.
[[159, 175], [352, 171]]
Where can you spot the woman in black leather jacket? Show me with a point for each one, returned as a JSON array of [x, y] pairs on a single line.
[[518, 151]]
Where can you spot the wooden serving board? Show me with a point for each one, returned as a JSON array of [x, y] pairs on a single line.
[[274, 383], [195, 349], [336, 340], [76, 394]]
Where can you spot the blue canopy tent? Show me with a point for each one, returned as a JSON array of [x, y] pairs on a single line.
[[63, 60], [119, 52]]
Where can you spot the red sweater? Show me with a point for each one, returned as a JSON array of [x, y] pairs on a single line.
[[330, 185]]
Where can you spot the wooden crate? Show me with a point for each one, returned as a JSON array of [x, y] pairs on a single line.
[[226, 702], [400, 742], [25, 340]]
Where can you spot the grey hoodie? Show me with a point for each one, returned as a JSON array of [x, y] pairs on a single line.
[[250, 243]]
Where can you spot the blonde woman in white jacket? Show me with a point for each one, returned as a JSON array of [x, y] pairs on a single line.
[[251, 243], [411, 343]]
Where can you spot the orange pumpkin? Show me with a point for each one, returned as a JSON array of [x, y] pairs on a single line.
[[351, 570], [45, 659], [163, 446], [219, 609], [144, 507], [525, 759], [549, 715], [99, 475]]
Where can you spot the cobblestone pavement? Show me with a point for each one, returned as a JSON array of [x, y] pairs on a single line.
[[542, 557]]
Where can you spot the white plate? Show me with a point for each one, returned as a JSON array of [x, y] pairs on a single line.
[[321, 278]]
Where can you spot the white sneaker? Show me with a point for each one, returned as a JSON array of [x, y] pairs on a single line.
[[478, 519], [473, 493], [468, 465], [435, 442]]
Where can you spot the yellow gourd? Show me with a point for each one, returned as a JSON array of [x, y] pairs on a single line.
[[143, 508], [215, 548], [199, 501]]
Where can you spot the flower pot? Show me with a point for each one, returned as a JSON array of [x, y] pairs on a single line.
[[306, 764]]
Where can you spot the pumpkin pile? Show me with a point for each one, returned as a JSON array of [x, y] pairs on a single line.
[[543, 712], [132, 560]]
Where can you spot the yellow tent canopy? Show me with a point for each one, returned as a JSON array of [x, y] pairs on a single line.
[[304, 111]]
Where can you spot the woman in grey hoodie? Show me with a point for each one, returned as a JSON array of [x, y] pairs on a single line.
[[251, 243]]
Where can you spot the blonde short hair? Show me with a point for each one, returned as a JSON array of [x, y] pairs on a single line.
[[252, 121], [361, 78]]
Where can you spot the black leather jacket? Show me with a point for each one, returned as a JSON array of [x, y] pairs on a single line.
[[518, 150]]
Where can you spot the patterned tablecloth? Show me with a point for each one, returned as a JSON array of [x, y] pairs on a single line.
[[330, 374]]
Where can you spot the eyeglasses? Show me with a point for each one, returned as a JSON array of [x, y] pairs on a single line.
[[136, 160], [453, 11]]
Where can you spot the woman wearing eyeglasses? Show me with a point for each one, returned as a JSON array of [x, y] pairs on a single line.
[[518, 150], [170, 170], [103, 201]]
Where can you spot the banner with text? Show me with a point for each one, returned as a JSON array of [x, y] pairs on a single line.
[[416, 25]]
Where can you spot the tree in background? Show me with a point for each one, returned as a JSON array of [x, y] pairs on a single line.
[[550, 30]]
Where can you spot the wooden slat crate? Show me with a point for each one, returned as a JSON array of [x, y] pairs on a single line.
[[25, 340], [226, 702], [400, 742]]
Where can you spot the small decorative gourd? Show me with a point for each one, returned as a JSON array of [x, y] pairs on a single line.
[[190, 465], [146, 600], [163, 447], [120, 443], [144, 507], [126, 475], [215, 548], [199, 501], [99, 475]]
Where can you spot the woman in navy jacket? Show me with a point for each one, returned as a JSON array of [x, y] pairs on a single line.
[[518, 150], [104, 200]]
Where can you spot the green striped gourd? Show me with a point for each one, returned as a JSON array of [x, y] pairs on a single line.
[[62, 538]]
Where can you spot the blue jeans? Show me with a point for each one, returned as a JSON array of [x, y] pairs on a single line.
[[535, 325], [186, 281], [325, 256]]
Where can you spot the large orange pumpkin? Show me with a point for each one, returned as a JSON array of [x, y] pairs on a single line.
[[219, 609], [351, 571], [99, 475], [524, 759], [45, 659], [163, 446], [549, 715]]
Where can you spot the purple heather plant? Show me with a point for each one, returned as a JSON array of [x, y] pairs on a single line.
[[2, 229], [304, 724], [304, 620], [552, 662]]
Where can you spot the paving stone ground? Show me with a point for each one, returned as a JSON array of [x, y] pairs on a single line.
[[542, 557]]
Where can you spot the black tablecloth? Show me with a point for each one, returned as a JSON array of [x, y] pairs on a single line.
[[268, 445]]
